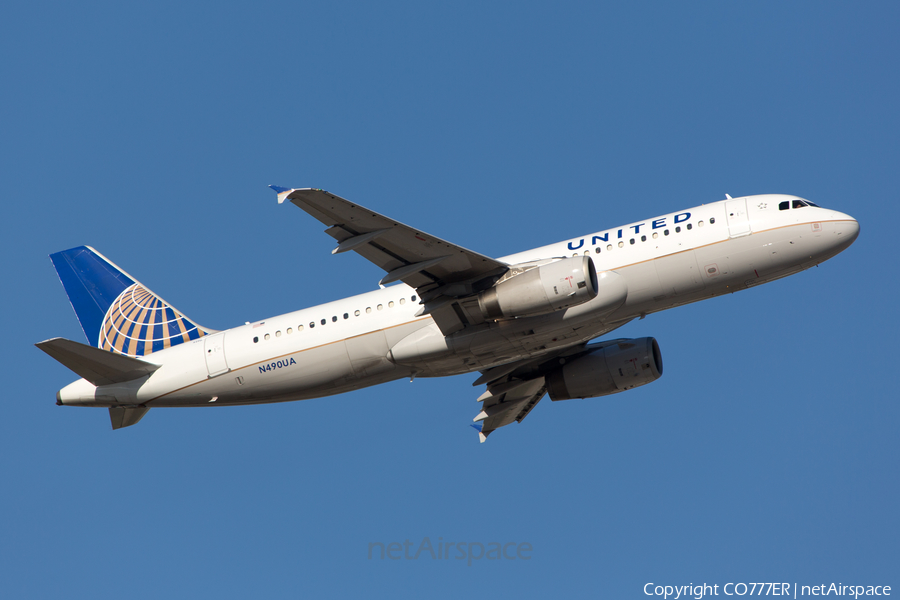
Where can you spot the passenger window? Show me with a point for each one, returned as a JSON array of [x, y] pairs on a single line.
[[609, 246], [391, 304], [643, 238], [278, 333], [784, 205], [655, 235], [678, 229], [712, 220], [323, 321], [334, 319], [631, 241], [689, 226], [290, 330], [700, 224], [267, 336], [355, 313], [665, 232], [413, 299], [256, 340], [621, 244], [380, 306], [402, 300], [368, 310], [597, 250], [312, 324], [299, 327], [346, 316]]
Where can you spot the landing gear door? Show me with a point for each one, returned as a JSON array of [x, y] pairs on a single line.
[[214, 350], [738, 220]]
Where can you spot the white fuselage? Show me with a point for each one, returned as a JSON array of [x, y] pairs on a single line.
[[376, 337]]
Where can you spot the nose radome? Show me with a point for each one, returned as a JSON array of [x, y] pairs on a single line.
[[852, 227], [846, 228]]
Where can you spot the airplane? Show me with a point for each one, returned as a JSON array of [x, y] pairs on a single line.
[[527, 322]]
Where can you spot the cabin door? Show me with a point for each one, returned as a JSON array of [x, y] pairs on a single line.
[[214, 350], [738, 220]]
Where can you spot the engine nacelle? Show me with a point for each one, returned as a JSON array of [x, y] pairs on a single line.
[[615, 368], [541, 290]]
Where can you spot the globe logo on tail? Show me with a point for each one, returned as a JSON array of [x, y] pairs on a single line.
[[139, 322]]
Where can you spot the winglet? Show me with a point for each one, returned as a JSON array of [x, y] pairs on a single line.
[[282, 192], [477, 427]]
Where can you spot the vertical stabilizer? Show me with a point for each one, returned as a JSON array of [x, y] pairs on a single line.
[[126, 416], [116, 312]]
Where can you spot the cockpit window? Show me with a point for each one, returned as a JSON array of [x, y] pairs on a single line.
[[798, 204], [808, 203], [784, 205]]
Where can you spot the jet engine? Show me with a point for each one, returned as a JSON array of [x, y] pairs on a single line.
[[617, 367], [541, 289]]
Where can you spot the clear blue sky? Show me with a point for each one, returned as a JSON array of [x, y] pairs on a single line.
[[767, 452]]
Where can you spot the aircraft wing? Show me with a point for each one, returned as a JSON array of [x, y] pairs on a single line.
[[440, 271]]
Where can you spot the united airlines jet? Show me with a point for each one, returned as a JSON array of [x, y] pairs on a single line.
[[526, 321]]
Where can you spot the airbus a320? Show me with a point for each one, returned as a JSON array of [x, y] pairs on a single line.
[[527, 322]]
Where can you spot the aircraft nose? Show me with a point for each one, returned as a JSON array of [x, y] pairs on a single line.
[[848, 228]]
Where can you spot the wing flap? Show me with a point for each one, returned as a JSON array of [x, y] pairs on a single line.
[[352, 242], [412, 269], [508, 402]]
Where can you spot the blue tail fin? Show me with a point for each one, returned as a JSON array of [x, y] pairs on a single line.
[[116, 312]]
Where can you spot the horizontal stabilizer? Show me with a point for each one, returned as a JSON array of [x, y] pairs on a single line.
[[126, 417], [100, 367]]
